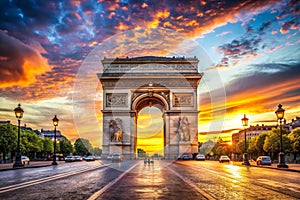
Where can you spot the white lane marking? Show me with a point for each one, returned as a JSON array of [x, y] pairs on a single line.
[[102, 190], [190, 183], [46, 179]]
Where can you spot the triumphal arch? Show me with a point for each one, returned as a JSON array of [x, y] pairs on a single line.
[[167, 83]]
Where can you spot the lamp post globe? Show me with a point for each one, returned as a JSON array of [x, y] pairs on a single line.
[[19, 114], [55, 123], [246, 155], [280, 115]]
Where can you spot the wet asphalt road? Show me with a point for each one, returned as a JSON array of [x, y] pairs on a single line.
[[162, 180]]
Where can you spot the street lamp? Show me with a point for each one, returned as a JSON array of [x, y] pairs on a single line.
[[280, 114], [55, 123], [19, 114], [245, 157]]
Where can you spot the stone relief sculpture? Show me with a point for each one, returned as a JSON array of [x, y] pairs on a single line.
[[116, 100], [115, 130], [184, 129]]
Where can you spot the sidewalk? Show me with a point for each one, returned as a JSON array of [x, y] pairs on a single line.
[[32, 164], [292, 167]]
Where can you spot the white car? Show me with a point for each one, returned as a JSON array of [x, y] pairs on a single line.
[[25, 159], [224, 159], [200, 157]]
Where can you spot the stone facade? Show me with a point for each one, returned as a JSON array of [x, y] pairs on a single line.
[[131, 84]]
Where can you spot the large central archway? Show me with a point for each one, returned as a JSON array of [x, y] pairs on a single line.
[[132, 84], [150, 132], [148, 102]]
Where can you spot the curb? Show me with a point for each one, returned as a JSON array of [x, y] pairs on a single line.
[[282, 169], [34, 166]]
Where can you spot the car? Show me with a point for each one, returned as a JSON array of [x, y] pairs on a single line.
[[70, 159], [117, 157], [25, 159], [109, 157], [185, 157], [90, 158], [148, 161], [200, 157], [78, 158], [97, 157], [224, 159], [264, 160]]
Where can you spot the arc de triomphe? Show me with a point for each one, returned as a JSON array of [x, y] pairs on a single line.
[[131, 84]]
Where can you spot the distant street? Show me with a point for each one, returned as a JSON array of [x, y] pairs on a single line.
[[161, 180]]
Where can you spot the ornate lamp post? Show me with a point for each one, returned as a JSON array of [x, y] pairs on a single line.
[[55, 123], [246, 156], [280, 114], [19, 114]]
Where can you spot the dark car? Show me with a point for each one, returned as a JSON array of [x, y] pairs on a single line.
[[116, 157], [264, 160], [185, 157]]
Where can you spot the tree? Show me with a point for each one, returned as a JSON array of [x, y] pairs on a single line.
[[252, 146], [97, 151], [65, 147], [141, 153], [31, 143], [272, 142], [221, 150], [260, 141], [47, 147], [295, 140], [8, 139], [83, 147]]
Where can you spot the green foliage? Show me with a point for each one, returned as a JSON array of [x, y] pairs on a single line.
[[220, 148], [97, 151], [65, 147], [83, 147], [47, 146], [31, 143], [251, 145], [260, 141], [294, 136], [272, 141], [8, 138], [141, 153]]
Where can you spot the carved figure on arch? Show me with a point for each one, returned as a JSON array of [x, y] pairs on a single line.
[[183, 130], [115, 130]]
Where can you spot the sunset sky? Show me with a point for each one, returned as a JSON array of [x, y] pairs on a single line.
[[50, 52]]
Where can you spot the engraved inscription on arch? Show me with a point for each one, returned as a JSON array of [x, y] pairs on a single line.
[[116, 99]]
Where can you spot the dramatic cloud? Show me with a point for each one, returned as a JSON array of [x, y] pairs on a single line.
[[257, 93], [19, 63]]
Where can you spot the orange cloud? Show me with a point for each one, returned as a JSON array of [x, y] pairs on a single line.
[[20, 63]]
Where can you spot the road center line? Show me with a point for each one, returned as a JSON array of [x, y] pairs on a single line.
[[102, 190], [190, 183]]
